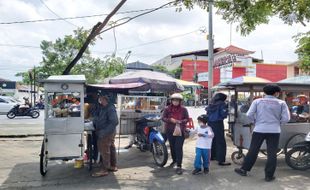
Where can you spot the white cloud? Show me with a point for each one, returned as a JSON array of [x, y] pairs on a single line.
[[274, 39]]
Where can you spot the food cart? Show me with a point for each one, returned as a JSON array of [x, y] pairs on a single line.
[[241, 93], [65, 124], [133, 107], [64, 119]]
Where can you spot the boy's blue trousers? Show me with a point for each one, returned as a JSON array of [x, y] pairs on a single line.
[[202, 158]]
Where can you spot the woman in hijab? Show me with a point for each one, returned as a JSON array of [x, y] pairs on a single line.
[[217, 111], [175, 117]]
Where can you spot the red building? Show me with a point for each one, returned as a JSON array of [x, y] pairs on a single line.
[[232, 62]]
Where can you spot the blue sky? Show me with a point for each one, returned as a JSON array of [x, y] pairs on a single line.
[[273, 39]]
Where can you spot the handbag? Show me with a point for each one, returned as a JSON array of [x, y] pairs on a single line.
[[186, 134], [177, 131]]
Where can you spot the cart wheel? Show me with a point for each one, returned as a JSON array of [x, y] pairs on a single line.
[[264, 152], [90, 152], [237, 157], [43, 160], [293, 140]]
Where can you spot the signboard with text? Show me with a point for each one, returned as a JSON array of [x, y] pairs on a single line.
[[203, 77]]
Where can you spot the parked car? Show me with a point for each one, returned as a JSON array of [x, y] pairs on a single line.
[[6, 104]]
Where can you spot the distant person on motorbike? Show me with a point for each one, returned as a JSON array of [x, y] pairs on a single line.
[[25, 106], [106, 120], [267, 114], [176, 117]]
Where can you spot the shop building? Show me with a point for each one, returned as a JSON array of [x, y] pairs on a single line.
[[232, 62]]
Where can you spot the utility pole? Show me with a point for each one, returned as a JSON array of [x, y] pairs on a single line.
[[210, 53], [34, 85], [195, 80]]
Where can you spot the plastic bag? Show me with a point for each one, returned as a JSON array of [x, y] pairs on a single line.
[[177, 130]]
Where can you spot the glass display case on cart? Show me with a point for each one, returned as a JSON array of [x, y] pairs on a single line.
[[132, 107]]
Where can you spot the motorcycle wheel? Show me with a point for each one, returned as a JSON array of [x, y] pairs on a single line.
[[10, 115], [160, 153], [299, 137], [35, 114], [298, 159]]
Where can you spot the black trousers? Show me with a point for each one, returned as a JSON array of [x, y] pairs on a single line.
[[94, 141], [218, 149], [176, 148], [272, 141]]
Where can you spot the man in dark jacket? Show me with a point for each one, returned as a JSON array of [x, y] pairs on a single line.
[[217, 111], [106, 121]]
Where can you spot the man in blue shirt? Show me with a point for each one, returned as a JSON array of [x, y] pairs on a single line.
[[267, 114]]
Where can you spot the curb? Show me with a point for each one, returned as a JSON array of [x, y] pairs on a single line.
[[21, 136]]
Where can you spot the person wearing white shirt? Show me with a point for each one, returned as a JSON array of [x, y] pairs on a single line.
[[203, 145], [268, 115]]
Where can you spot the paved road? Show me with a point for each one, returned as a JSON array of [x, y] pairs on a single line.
[[25, 126], [21, 126], [19, 169]]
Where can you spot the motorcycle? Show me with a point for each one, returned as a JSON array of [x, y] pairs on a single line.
[[298, 157], [17, 111], [40, 105], [149, 139]]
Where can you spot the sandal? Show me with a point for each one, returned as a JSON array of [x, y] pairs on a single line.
[[100, 174]]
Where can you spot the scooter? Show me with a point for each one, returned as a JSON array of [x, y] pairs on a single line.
[[298, 157], [17, 111], [149, 139], [40, 105]]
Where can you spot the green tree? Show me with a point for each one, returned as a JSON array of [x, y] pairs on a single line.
[[303, 51], [176, 73], [57, 55], [160, 68], [250, 13]]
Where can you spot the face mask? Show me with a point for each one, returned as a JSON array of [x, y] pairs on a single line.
[[201, 124], [175, 102], [99, 101]]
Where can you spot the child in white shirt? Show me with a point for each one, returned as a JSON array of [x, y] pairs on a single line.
[[203, 145]]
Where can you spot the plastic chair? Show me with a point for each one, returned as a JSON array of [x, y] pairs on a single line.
[[190, 124]]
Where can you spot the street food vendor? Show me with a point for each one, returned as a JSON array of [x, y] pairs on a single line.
[[106, 120]]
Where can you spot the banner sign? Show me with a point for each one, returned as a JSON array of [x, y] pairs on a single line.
[[203, 77], [225, 61]]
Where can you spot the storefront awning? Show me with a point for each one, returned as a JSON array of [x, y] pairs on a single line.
[[188, 83], [118, 86], [245, 80]]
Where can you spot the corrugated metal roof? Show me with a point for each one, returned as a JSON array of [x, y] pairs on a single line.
[[198, 53], [4, 80], [139, 66], [296, 80], [236, 50]]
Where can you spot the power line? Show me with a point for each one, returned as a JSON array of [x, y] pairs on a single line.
[[122, 49], [57, 14], [157, 41], [21, 46], [73, 18]]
